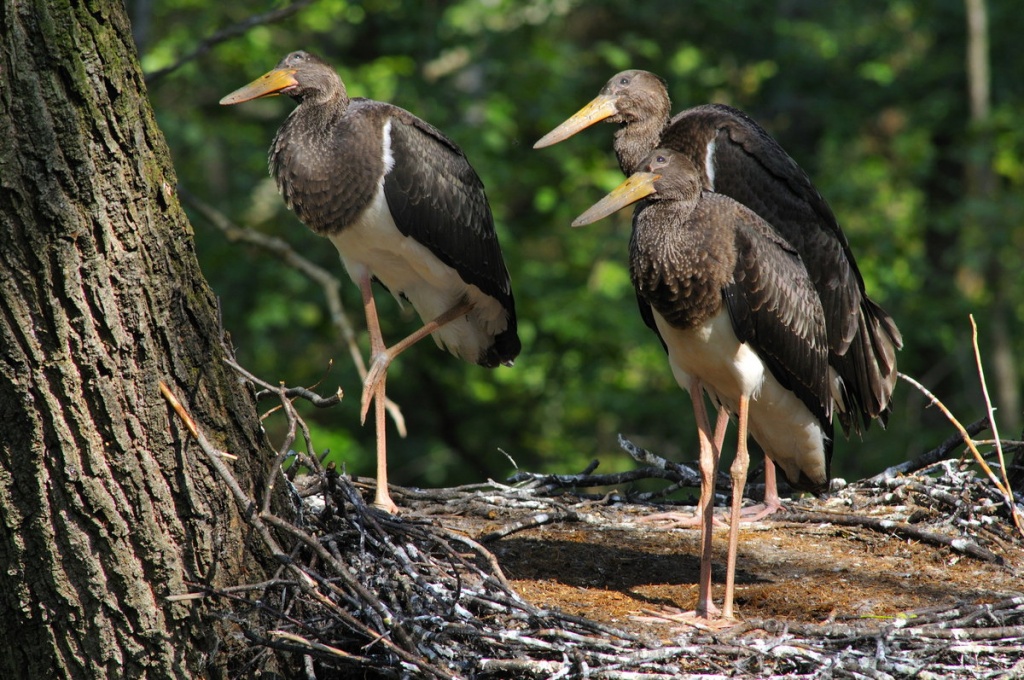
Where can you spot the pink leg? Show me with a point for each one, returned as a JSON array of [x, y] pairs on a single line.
[[710, 453], [709, 456], [771, 486], [376, 378], [721, 425], [738, 472], [772, 503], [381, 358], [382, 499], [679, 520]]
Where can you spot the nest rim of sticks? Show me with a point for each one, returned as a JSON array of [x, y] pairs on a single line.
[[417, 595]]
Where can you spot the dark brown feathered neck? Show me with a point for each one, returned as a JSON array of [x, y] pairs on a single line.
[[635, 139], [643, 108], [318, 109], [328, 160], [333, 95]]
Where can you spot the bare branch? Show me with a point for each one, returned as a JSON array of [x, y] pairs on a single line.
[[990, 412], [902, 529], [681, 473], [941, 452], [1003, 490], [307, 394], [228, 33]]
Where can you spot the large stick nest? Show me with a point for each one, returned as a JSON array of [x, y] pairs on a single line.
[[912, 573], [420, 596]]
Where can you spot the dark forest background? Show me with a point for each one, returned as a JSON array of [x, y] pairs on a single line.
[[922, 164]]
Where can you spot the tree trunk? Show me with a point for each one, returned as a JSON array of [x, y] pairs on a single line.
[[982, 186], [107, 506]]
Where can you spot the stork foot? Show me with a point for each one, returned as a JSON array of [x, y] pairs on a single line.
[[755, 513], [382, 501], [687, 618], [677, 520]]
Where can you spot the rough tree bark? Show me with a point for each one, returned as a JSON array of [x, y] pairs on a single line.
[[106, 506]]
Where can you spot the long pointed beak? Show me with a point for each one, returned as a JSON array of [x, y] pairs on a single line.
[[269, 84], [637, 186], [600, 107]]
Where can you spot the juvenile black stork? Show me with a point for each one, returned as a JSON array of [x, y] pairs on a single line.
[[736, 310], [404, 207], [735, 156]]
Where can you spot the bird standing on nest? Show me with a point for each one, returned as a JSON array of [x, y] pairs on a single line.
[[737, 312], [404, 207], [736, 157]]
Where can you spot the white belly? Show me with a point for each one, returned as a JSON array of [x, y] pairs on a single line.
[[374, 245], [784, 427]]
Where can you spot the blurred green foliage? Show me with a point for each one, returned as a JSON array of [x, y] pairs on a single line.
[[871, 98]]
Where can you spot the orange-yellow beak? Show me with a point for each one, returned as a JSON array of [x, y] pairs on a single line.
[[267, 85], [637, 186], [600, 107]]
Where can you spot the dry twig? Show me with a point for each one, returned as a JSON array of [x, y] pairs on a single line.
[[1006, 493], [227, 34], [1005, 487]]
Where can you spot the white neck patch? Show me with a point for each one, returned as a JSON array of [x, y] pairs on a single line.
[[709, 163], [387, 156]]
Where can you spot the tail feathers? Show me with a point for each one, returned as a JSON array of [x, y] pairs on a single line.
[[868, 370], [504, 349]]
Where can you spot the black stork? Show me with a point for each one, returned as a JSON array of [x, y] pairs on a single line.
[[736, 310], [404, 207], [735, 156]]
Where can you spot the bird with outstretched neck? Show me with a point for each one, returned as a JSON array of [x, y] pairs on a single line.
[[739, 317], [404, 207], [736, 157]]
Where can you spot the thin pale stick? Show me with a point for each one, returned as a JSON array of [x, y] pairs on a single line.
[[1007, 496], [990, 412]]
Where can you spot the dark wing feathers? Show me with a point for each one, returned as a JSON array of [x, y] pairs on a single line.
[[437, 198], [739, 139], [647, 314], [751, 167], [774, 308]]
